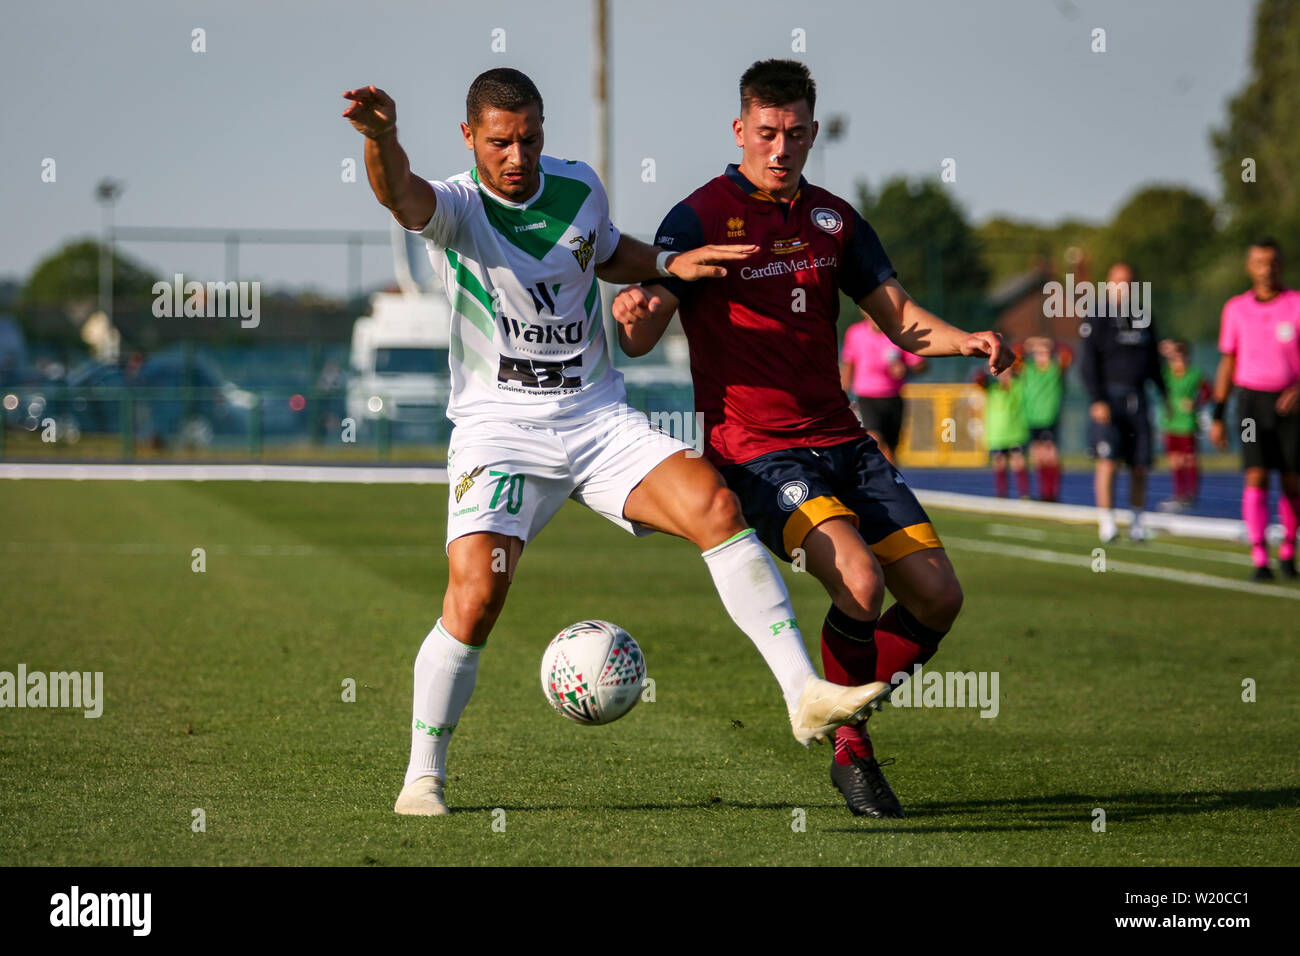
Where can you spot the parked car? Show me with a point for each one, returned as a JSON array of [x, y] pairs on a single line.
[[172, 398]]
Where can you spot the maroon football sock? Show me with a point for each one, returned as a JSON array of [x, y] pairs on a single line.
[[1000, 483], [1022, 482], [902, 641], [852, 740], [848, 649], [1179, 477]]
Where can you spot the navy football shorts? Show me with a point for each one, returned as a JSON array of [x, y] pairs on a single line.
[[1044, 432], [1277, 437], [1127, 436], [785, 494], [884, 416]]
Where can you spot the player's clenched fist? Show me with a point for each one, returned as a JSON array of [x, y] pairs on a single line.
[[632, 305], [373, 112]]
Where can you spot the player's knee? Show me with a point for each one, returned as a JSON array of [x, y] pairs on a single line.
[[475, 605], [861, 591], [721, 517], [943, 598]]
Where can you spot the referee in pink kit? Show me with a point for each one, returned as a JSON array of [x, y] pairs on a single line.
[[872, 369], [1259, 336]]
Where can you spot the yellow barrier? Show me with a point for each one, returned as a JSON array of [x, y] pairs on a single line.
[[943, 426]]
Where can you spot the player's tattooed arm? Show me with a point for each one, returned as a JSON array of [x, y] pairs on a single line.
[[634, 261], [642, 313], [912, 328], [374, 115]]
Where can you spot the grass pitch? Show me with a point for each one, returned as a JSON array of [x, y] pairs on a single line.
[[224, 693]]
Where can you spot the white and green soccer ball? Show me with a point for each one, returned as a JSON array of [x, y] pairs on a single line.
[[593, 672]]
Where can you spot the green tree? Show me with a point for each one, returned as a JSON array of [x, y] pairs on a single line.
[[1166, 232], [1261, 128], [1013, 247], [929, 241], [1263, 118], [71, 274]]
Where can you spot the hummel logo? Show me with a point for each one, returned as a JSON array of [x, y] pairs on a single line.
[[531, 226]]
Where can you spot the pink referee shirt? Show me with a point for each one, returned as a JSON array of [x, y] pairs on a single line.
[[1265, 338], [870, 352]]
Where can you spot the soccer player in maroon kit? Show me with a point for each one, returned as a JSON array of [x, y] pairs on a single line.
[[764, 359]]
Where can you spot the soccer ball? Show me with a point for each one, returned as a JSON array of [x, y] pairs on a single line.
[[592, 672]]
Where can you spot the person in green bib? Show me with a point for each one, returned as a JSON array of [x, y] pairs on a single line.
[[1044, 378], [1006, 426], [1187, 390]]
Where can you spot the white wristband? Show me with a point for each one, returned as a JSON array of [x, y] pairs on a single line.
[[661, 263]]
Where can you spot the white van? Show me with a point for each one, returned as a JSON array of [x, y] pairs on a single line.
[[399, 360]]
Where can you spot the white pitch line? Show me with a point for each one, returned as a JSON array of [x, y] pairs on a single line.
[[247, 550], [1127, 567], [329, 474], [1180, 525], [1158, 547], [1011, 531]]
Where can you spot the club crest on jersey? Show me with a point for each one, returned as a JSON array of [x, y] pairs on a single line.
[[735, 227], [466, 481], [827, 220], [1285, 331], [586, 249], [791, 495]]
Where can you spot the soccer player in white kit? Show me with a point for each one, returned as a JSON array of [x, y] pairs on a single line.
[[541, 415]]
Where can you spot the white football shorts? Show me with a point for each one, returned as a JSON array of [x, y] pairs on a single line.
[[511, 477]]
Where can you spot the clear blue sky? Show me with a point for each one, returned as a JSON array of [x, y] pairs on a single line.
[[249, 133]]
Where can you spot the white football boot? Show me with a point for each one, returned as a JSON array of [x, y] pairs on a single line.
[[825, 707], [422, 798]]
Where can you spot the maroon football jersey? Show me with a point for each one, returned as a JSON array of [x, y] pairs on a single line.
[[763, 340]]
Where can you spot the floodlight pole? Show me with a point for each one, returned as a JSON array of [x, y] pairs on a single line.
[[107, 193], [600, 144], [600, 93]]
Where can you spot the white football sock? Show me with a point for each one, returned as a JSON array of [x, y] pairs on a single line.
[[445, 671], [756, 598]]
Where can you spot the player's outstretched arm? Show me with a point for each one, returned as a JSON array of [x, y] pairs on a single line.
[[642, 313], [374, 115], [912, 328], [634, 261]]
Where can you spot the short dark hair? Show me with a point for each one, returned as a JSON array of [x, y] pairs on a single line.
[[500, 89], [777, 83], [1267, 242]]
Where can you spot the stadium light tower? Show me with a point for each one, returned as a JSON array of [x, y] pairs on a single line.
[[600, 94], [832, 130], [600, 134], [107, 193]]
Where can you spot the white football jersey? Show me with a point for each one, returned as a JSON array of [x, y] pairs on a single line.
[[527, 333]]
